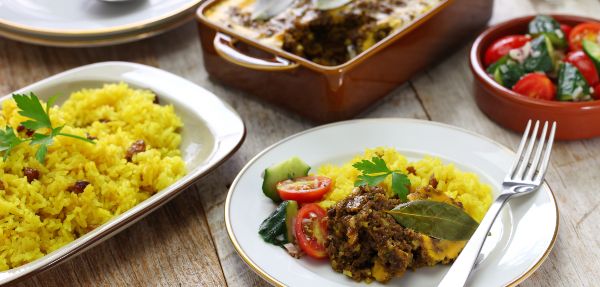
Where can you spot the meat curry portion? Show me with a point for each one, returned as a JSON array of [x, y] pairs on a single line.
[[366, 243], [327, 37]]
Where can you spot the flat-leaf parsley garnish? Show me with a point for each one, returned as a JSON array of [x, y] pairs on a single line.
[[376, 171], [39, 118], [8, 140]]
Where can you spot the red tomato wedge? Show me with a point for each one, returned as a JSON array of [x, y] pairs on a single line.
[[566, 30], [304, 189], [585, 65], [502, 46], [597, 92], [311, 230], [588, 30], [537, 86]]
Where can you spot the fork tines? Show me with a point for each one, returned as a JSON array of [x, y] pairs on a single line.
[[528, 167]]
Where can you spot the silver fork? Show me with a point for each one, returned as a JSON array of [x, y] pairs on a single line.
[[526, 176]]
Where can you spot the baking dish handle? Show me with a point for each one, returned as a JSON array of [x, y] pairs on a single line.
[[224, 46]]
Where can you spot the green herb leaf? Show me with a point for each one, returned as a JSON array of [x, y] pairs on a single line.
[[50, 103], [77, 137], [8, 140], [400, 185], [31, 107], [374, 166], [436, 219], [40, 154], [376, 171], [43, 141], [370, 180], [373, 172]]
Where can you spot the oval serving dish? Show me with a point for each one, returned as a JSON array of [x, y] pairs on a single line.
[[330, 93], [576, 120], [211, 132]]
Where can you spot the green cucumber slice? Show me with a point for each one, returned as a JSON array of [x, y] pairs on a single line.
[[291, 211], [572, 86], [494, 66], [592, 49], [278, 228], [291, 168], [546, 25], [542, 56], [506, 71]]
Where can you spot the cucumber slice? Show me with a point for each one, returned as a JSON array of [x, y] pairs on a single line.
[[572, 86], [291, 211], [291, 168], [546, 25], [506, 71], [278, 228], [542, 56], [592, 49], [498, 77], [494, 66]]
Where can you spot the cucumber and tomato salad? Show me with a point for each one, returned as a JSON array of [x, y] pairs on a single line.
[[298, 220], [289, 180], [553, 61]]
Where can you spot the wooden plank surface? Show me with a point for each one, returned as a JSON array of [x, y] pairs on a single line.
[[185, 241]]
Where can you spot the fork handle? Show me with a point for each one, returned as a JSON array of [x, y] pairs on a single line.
[[461, 268]]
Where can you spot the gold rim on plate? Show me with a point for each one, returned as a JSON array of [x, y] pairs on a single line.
[[98, 31], [97, 42], [277, 283]]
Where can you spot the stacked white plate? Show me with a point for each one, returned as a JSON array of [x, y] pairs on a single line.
[[89, 23]]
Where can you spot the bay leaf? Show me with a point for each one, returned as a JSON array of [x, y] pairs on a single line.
[[329, 4], [436, 219], [266, 9]]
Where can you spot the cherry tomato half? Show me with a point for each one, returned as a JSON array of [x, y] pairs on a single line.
[[537, 86], [502, 46], [597, 92], [588, 30], [304, 189], [566, 30], [311, 230], [585, 65]]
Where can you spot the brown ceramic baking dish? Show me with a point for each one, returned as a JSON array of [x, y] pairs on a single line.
[[330, 93], [577, 120]]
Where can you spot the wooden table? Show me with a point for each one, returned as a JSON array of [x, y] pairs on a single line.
[[185, 241]]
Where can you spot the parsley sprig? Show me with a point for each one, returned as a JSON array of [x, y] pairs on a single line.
[[39, 119], [376, 171], [8, 140]]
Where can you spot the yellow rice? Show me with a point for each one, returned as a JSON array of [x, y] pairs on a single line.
[[463, 187], [39, 217]]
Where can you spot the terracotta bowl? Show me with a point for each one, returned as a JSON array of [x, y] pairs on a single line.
[[577, 120]]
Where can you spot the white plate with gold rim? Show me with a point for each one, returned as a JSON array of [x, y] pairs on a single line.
[[86, 18], [520, 240], [106, 40], [212, 131]]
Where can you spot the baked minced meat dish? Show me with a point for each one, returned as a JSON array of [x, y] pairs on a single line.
[[366, 243], [325, 36]]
